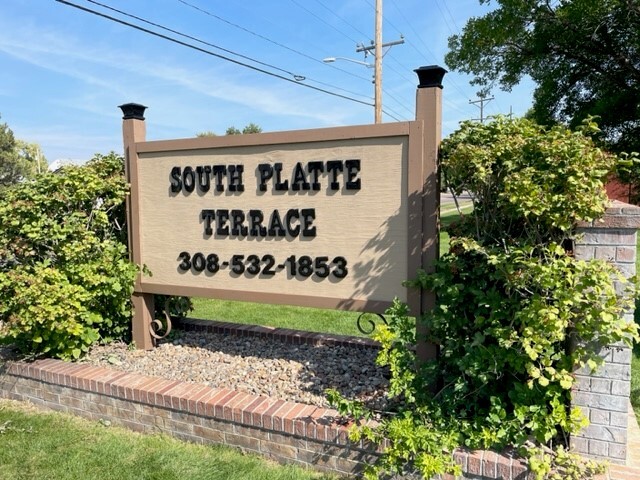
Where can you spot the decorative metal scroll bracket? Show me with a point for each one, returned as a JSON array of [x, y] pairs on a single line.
[[370, 322], [156, 327]]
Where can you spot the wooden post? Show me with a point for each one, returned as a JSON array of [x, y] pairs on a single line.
[[134, 130], [429, 110]]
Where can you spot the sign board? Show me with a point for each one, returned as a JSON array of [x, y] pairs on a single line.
[[328, 218]]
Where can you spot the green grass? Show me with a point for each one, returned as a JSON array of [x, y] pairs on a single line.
[[53, 446], [447, 217], [282, 316]]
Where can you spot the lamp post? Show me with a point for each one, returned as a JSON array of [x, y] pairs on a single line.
[[359, 62], [377, 104]]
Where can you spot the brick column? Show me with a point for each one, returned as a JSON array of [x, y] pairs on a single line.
[[603, 396]]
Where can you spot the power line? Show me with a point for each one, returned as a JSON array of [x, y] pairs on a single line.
[[450, 15], [323, 21], [444, 17], [209, 52], [121, 12], [342, 19], [265, 38]]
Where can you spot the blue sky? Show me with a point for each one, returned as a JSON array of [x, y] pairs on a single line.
[[65, 71]]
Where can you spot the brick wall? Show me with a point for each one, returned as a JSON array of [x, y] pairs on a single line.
[[287, 432], [603, 395]]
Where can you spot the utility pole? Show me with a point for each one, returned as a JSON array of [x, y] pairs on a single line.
[[377, 47], [378, 64], [482, 100]]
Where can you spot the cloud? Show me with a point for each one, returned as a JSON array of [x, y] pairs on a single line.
[[119, 72]]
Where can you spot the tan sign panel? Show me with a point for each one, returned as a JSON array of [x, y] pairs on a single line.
[[326, 218]]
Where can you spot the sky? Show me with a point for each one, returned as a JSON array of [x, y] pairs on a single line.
[[64, 71]]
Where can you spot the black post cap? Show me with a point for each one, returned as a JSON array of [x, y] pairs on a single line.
[[133, 111], [430, 76]]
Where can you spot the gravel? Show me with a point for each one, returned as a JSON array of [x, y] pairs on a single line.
[[259, 366]]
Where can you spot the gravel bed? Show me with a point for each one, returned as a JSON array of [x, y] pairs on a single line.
[[259, 366]]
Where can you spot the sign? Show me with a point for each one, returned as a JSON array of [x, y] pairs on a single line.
[[328, 218]]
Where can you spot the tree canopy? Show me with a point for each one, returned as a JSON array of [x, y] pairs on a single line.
[[18, 159], [584, 56]]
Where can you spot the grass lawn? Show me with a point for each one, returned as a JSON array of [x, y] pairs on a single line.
[[283, 316], [53, 446]]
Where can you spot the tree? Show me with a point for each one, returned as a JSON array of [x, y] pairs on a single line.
[[250, 128], [18, 159], [206, 133], [584, 56]]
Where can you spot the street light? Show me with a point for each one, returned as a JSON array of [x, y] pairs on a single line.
[[377, 87], [333, 59]]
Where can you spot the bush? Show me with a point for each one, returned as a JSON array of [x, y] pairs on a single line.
[[516, 313], [65, 276]]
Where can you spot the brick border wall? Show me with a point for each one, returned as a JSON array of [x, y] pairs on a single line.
[[283, 431], [603, 396]]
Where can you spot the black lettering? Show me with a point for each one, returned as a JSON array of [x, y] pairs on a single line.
[[299, 181], [275, 225], [291, 215], [256, 217], [315, 169], [266, 172], [219, 171], [237, 223], [204, 177], [308, 216], [176, 183], [235, 178], [353, 168], [222, 215], [280, 185], [333, 167], [207, 216], [188, 179]]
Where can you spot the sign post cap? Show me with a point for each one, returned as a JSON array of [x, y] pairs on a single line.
[[133, 111], [430, 76]]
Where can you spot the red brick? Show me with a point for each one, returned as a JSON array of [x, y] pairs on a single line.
[[148, 395], [196, 394], [267, 417], [78, 375], [85, 384], [304, 418], [203, 404], [489, 464], [227, 404], [119, 384], [257, 413], [216, 404], [161, 389], [240, 403], [474, 462], [280, 416], [132, 387], [292, 414], [503, 467], [247, 414], [519, 470]]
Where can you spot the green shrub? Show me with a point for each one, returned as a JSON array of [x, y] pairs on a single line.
[[516, 313], [64, 270]]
